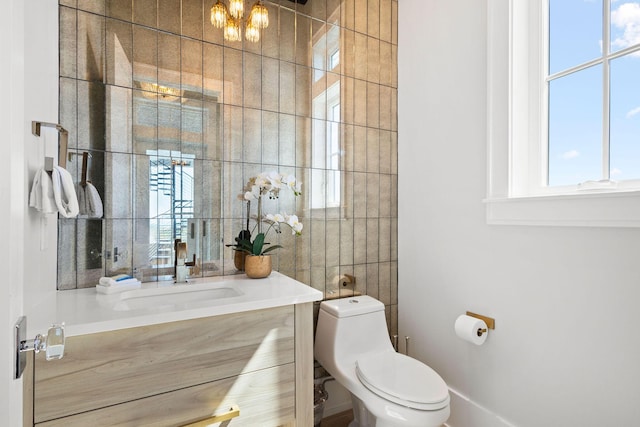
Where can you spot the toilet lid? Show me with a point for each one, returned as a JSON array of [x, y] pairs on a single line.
[[402, 380]]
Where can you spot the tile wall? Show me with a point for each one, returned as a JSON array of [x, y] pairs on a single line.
[[176, 119]]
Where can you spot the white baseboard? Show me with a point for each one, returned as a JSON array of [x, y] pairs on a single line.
[[467, 413], [464, 411]]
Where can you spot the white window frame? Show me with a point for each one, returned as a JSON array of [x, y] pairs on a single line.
[[516, 193]]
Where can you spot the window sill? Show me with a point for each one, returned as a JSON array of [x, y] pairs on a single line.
[[605, 209]]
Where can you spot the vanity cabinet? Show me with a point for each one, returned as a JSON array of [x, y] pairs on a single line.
[[177, 373]]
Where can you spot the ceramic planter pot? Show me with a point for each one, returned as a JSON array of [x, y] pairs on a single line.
[[257, 266], [238, 260]]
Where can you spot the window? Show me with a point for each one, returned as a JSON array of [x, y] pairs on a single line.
[[593, 96], [564, 112]]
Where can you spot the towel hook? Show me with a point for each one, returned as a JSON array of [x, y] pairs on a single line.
[[85, 157], [63, 142]]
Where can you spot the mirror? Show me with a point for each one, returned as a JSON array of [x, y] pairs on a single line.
[[176, 119]]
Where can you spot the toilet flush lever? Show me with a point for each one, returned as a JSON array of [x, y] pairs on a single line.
[[52, 344]]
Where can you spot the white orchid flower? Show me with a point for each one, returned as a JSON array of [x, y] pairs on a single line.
[[262, 182], [290, 181], [275, 179], [253, 193], [294, 223]]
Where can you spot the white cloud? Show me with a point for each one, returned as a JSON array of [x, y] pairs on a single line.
[[633, 112], [572, 154], [615, 172], [627, 18]]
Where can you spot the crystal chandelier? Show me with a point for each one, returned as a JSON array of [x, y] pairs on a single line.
[[230, 19]]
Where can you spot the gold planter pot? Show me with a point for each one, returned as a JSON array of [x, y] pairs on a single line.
[[257, 266], [238, 260]]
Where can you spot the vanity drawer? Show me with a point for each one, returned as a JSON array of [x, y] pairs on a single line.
[[265, 398], [110, 368]]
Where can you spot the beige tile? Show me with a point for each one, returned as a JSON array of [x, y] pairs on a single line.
[[270, 146], [270, 84], [303, 40], [372, 280], [67, 42], [191, 67], [360, 13], [373, 150], [360, 56], [287, 39], [252, 135], [193, 18], [287, 140], [90, 45], [373, 105], [373, 18], [373, 60], [169, 60], [287, 88], [232, 76], [252, 80], [169, 16], [385, 20]]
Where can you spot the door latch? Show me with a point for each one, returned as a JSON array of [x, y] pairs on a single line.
[[52, 344]]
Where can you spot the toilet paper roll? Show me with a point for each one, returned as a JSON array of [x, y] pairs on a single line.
[[467, 329]]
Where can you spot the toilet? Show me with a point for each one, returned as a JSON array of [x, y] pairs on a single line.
[[388, 389]]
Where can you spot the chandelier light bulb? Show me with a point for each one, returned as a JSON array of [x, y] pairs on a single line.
[[218, 14], [259, 16], [229, 18], [232, 30], [236, 8], [252, 33]]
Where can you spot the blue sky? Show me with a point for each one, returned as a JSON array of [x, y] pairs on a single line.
[[575, 113]]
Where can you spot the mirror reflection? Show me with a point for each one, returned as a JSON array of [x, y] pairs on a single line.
[[176, 119]]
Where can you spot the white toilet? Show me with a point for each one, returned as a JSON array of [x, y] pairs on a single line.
[[388, 389]]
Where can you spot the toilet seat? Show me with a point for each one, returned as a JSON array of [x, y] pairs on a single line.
[[402, 380]]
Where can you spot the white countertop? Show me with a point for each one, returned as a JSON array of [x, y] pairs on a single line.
[[84, 311]]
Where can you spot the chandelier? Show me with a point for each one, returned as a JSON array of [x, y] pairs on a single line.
[[230, 19]]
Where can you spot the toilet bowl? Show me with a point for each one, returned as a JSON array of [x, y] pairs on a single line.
[[388, 389]]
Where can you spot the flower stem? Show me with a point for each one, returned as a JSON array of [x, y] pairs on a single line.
[[259, 214]]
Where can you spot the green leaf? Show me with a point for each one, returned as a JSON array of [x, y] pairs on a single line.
[[258, 243], [270, 248]]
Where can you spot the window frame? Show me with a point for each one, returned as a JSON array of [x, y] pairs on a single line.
[[516, 104]]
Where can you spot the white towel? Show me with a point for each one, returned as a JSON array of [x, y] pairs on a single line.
[[90, 201], [101, 289], [41, 196], [120, 279], [64, 193]]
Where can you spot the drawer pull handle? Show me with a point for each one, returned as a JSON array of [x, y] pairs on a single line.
[[234, 411]]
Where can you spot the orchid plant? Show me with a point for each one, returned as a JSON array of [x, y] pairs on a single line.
[[268, 184]]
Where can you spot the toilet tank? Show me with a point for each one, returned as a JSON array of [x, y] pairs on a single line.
[[349, 327]]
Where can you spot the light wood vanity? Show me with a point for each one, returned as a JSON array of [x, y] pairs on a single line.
[[182, 372]]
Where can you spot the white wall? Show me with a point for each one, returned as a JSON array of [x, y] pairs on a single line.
[[28, 83], [565, 351], [11, 252]]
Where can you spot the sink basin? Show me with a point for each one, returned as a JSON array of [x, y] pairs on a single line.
[[180, 297]]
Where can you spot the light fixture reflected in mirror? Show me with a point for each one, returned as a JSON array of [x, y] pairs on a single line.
[[230, 19], [166, 93]]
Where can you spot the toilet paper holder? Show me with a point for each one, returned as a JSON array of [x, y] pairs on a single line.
[[491, 322]]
